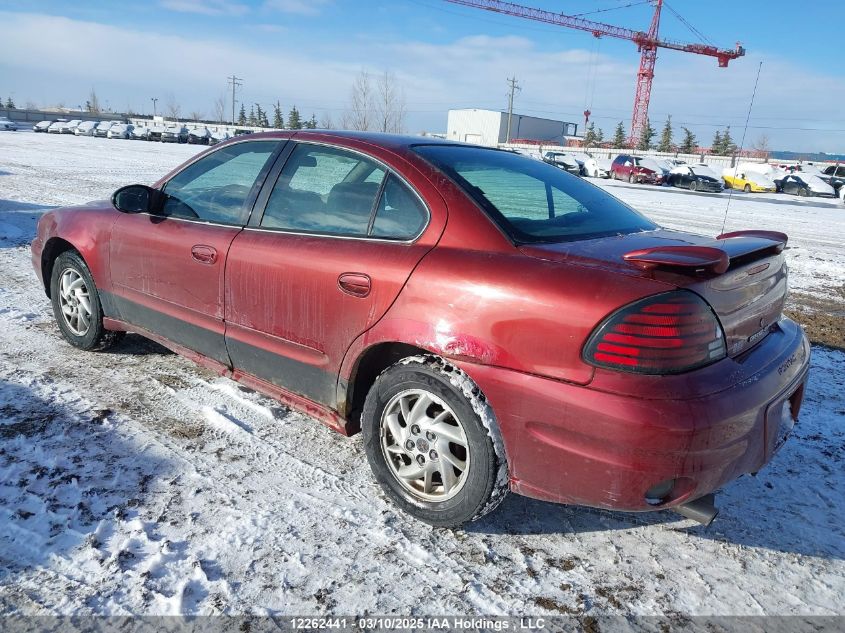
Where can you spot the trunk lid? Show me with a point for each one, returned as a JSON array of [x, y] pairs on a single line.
[[743, 275]]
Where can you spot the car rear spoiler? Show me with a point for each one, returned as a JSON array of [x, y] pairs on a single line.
[[733, 248]]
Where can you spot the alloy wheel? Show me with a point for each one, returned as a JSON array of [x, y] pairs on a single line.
[[75, 302], [424, 445]]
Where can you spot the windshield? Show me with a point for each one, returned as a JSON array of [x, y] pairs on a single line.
[[703, 170], [530, 200]]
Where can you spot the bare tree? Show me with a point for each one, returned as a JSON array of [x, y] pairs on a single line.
[[31, 105], [326, 122], [359, 115], [762, 145], [197, 115], [93, 103], [220, 108], [390, 104], [171, 106]]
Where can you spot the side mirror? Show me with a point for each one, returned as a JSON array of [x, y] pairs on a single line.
[[136, 199]]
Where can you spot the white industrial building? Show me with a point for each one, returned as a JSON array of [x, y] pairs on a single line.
[[490, 127]]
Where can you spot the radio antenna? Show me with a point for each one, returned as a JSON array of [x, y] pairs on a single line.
[[742, 144]]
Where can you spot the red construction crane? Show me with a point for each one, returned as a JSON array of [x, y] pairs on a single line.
[[647, 44]]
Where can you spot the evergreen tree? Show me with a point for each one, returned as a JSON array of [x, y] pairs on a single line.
[[688, 145], [251, 119], [590, 137], [278, 119], [311, 124], [716, 147], [646, 137], [10, 104], [665, 144], [242, 116], [599, 137], [619, 136], [294, 121], [728, 145]]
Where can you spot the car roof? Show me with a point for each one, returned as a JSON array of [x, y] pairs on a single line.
[[388, 141]]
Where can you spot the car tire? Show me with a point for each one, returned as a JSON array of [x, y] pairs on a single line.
[[747, 188], [693, 185], [457, 422], [632, 179], [803, 193], [76, 305]]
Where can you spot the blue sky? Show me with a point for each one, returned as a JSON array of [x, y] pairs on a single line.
[[307, 52]]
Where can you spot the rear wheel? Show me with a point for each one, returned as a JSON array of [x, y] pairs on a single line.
[[747, 188], [76, 305], [432, 442]]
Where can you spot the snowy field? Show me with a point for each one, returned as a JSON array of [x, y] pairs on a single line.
[[134, 482]]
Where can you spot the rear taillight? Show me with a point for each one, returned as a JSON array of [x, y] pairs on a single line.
[[665, 334]]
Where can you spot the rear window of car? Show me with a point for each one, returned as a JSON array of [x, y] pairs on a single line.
[[533, 202]]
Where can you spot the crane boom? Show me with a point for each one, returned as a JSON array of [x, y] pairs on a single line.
[[647, 43]]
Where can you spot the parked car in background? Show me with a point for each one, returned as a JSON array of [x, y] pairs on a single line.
[[695, 178], [806, 185], [834, 175], [140, 133], [747, 181], [155, 133], [555, 342], [85, 128], [42, 126], [102, 128], [70, 126], [175, 134], [597, 167], [7, 125], [218, 137], [657, 165], [564, 161], [775, 173], [63, 126], [199, 136], [121, 130], [630, 168]]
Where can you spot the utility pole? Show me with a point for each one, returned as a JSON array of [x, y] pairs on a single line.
[[235, 82], [514, 86], [154, 100]]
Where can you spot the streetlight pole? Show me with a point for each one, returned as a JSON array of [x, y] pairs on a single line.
[[154, 100]]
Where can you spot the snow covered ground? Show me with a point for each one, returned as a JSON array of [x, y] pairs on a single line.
[[135, 482]]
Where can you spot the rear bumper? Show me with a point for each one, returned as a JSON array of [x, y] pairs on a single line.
[[577, 444]]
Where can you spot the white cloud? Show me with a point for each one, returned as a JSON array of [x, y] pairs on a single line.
[[205, 7], [51, 59]]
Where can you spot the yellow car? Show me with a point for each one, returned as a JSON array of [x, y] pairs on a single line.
[[748, 181]]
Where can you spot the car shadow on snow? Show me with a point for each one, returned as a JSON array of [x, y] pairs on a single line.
[[72, 488], [18, 221], [768, 511]]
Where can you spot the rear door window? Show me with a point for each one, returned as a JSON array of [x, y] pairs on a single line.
[[401, 214], [324, 190]]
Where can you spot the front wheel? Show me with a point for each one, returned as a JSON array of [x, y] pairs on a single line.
[[747, 188], [693, 185], [432, 442], [76, 305], [803, 193], [632, 179]]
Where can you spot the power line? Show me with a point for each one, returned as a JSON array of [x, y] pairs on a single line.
[[514, 86], [235, 82]]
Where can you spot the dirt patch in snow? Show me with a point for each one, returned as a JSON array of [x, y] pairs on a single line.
[[822, 318]]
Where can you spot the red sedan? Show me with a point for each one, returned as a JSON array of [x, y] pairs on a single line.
[[490, 322]]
